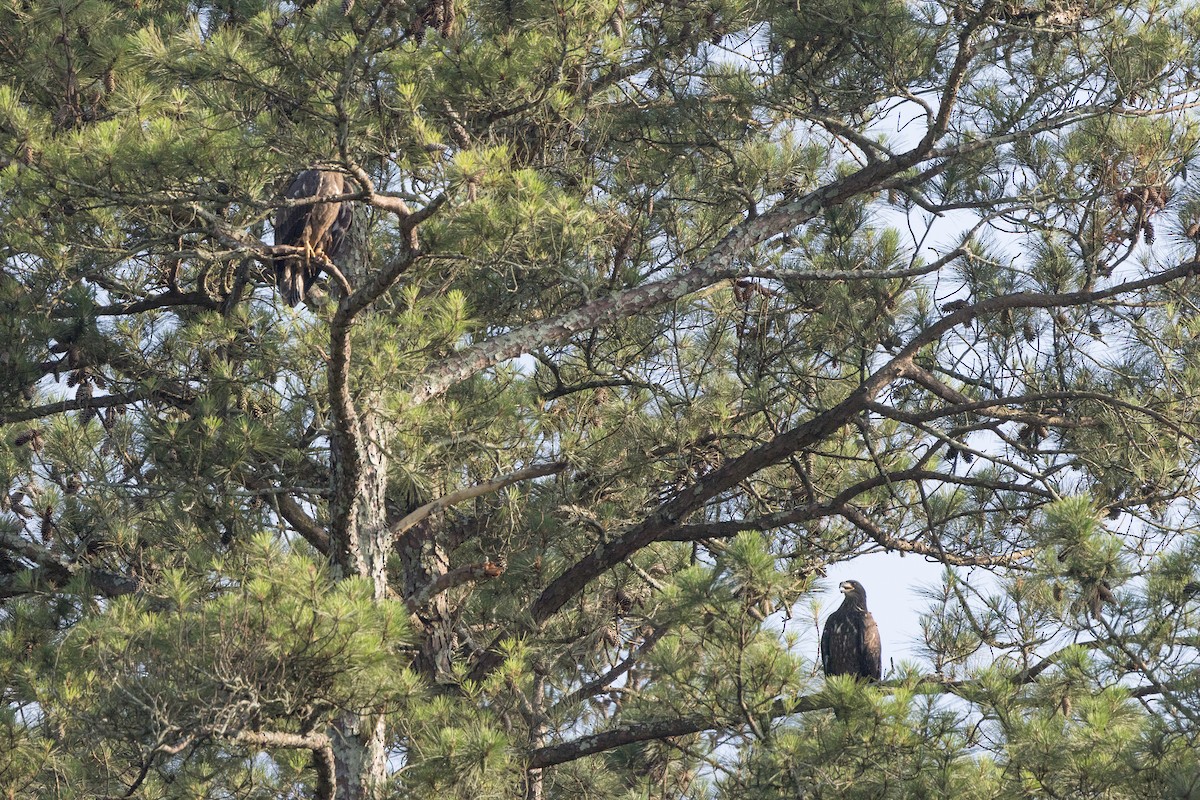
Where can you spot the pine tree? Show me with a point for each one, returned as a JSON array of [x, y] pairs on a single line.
[[651, 312]]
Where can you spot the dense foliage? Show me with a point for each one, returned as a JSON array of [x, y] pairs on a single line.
[[655, 310]]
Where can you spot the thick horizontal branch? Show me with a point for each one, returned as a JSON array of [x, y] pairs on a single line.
[[996, 409], [985, 408], [40, 580], [661, 729], [1023, 300], [73, 404], [730, 528], [52, 571], [917, 474], [319, 743], [617, 737], [173, 393], [169, 299], [314, 740]]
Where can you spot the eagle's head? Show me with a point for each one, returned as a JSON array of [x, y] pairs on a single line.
[[853, 590]]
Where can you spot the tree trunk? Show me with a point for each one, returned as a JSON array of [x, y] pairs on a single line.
[[358, 526], [360, 531], [360, 760]]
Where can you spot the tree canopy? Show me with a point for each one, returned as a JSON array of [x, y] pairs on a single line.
[[653, 311]]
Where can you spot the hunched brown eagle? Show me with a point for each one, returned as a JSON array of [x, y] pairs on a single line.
[[850, 641], [318, 228]]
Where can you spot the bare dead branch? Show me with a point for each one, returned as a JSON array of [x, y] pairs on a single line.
[[884, 539], [527, 473]]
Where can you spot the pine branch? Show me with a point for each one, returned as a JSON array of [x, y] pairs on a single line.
[[584, 746], [55, 571], [527, 473], [720, 264]]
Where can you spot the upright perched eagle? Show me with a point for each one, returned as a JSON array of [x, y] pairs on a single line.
[[318, 228], [850, 641]]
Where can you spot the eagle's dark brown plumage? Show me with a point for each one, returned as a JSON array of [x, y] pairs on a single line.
[[318, 228], [850, 641]]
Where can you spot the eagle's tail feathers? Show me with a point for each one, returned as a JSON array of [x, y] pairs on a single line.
[[290, 277]]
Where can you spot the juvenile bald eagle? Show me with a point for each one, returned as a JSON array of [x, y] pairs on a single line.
[[850, 641], [318, 228]]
